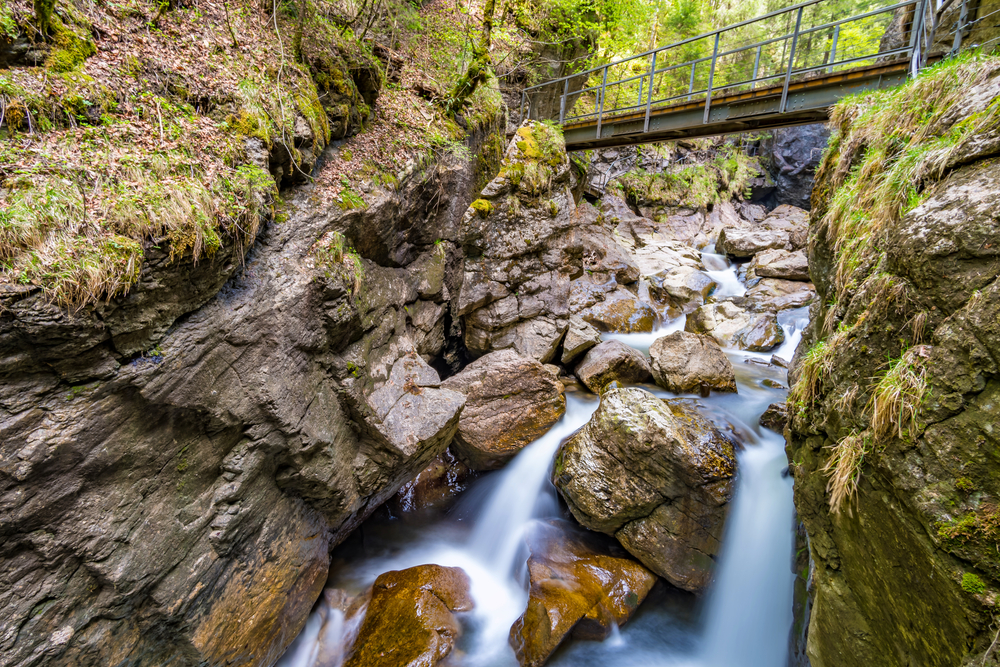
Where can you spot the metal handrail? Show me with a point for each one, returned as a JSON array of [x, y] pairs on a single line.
[[916, 52]]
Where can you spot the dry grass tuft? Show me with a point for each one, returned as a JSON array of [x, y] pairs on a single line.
[[896, 398], [844, 469]]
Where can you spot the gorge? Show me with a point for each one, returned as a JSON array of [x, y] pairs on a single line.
[[312, 357]]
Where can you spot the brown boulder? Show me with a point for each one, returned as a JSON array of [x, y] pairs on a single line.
[[510, 401], [581, 583], [655, 474], [775, 417], [685, 362], [612, 360], [409, 622], [774, 294], [781, 264], [621, 312]]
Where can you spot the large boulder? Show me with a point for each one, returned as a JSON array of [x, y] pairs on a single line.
[[621, 311], [785, 228], [687, 362], [774, 294], [410, 619], [523, 241], [781, 264], [580, 583], [612, 360], [655, 474], [733, 326], [684, 288], [510, 401]]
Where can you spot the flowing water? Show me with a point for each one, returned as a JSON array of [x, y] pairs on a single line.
[[744, 620]]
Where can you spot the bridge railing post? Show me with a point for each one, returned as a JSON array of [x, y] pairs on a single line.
[[833, 49], [963, 17], [756, 68], [562, 102], [649, 94], [691, 82], [791, 62], [600, 110], [916, 30], [711, 79], [523, 96]]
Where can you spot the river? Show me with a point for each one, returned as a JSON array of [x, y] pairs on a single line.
[[743, 621]]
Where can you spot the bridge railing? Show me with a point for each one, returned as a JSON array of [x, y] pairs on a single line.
[[777, 49]]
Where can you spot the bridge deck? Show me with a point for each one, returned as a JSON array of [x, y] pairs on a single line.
[[759, 109]]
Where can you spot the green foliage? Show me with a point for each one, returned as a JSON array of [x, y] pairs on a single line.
[[728, 175], [971, 583], [338, 260]]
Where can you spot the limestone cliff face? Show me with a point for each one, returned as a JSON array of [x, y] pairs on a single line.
[[176, 506], [894, 439]]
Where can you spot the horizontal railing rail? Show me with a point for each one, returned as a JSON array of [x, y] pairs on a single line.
[[748, 57]]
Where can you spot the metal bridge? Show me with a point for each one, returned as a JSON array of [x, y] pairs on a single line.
[[784, 68]]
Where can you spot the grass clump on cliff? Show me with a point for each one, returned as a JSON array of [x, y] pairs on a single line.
[[887, 146], [844, 469], [896, 397]]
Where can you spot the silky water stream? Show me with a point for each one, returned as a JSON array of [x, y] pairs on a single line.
[[743, 621]]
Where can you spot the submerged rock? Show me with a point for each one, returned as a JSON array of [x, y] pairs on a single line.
[[655, 474], [612, 360], [434, 486], [409, 619], [511, 401], [775, 417], [686, 362], [580, 583]]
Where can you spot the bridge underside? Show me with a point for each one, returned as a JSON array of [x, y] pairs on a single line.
[[808, 102]]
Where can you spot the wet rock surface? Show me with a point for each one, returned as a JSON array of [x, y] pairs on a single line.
[[612, 361], [581, 584], [511, 401], [655, 474], [685, 362], [196, 460], [435, 486], [410, 619]]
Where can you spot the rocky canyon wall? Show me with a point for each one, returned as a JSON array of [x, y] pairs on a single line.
[[893, 435]]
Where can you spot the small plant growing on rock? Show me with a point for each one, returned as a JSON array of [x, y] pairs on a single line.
[[971, 583], [844, 468], [482, 207], [897, 396]]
